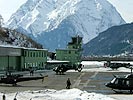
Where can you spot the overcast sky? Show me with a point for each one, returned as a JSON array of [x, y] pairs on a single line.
[[124, 7]]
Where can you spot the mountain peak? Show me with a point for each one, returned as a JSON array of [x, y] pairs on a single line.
[[53, 22]]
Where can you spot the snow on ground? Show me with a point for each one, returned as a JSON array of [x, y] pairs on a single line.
[[101, 63], [49, 94], [122, 96], [99, 66], [92, 63]]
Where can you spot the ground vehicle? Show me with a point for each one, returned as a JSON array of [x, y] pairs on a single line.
[[121, 83], [15, 78]]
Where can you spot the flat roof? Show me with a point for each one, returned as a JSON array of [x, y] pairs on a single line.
[[57, 61], [35, 49], [67, 49], [10, 46], [16, 47]]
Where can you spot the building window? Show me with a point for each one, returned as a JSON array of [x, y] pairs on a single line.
[[39, 54], [31, 54], [42, 54], [65, 52], [24, 53], [73, 47], [28, 54], [34, 54]]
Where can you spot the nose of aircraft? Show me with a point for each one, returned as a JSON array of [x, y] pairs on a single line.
[[107, 84]]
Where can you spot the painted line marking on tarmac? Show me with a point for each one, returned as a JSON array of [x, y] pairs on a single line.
[[77, 82], [87, 82]]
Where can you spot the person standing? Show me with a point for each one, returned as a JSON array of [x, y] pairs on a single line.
[[15, 99], [31, 71], [3, 97], [68, 83]]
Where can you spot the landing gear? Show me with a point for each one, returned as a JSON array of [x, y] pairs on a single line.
[[131, 91], [122, 91], [79, 69]]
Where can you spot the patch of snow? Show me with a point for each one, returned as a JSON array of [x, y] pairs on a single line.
[[91, 66], [49, 94]]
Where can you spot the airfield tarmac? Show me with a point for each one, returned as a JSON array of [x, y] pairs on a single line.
[[91, 79]]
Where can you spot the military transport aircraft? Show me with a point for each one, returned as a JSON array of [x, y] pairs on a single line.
[[122, 83], [15, 78]]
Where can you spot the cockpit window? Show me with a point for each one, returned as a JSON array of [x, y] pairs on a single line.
[[113, 81]]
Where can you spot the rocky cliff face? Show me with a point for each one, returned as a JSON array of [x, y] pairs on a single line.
[[53, 22]]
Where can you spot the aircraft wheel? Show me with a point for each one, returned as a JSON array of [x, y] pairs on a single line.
[[15, 84], [79, 70], [57, 73], [131, 91]]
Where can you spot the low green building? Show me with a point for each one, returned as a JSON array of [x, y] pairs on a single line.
[[73, 51], [18, 59], [34, 58]]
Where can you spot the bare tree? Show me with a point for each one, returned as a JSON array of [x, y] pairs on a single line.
[[1, 21]]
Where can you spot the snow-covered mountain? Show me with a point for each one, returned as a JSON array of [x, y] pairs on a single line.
[[13, 38], [53, 22]]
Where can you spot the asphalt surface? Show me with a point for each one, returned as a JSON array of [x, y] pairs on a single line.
[[92, 81]]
